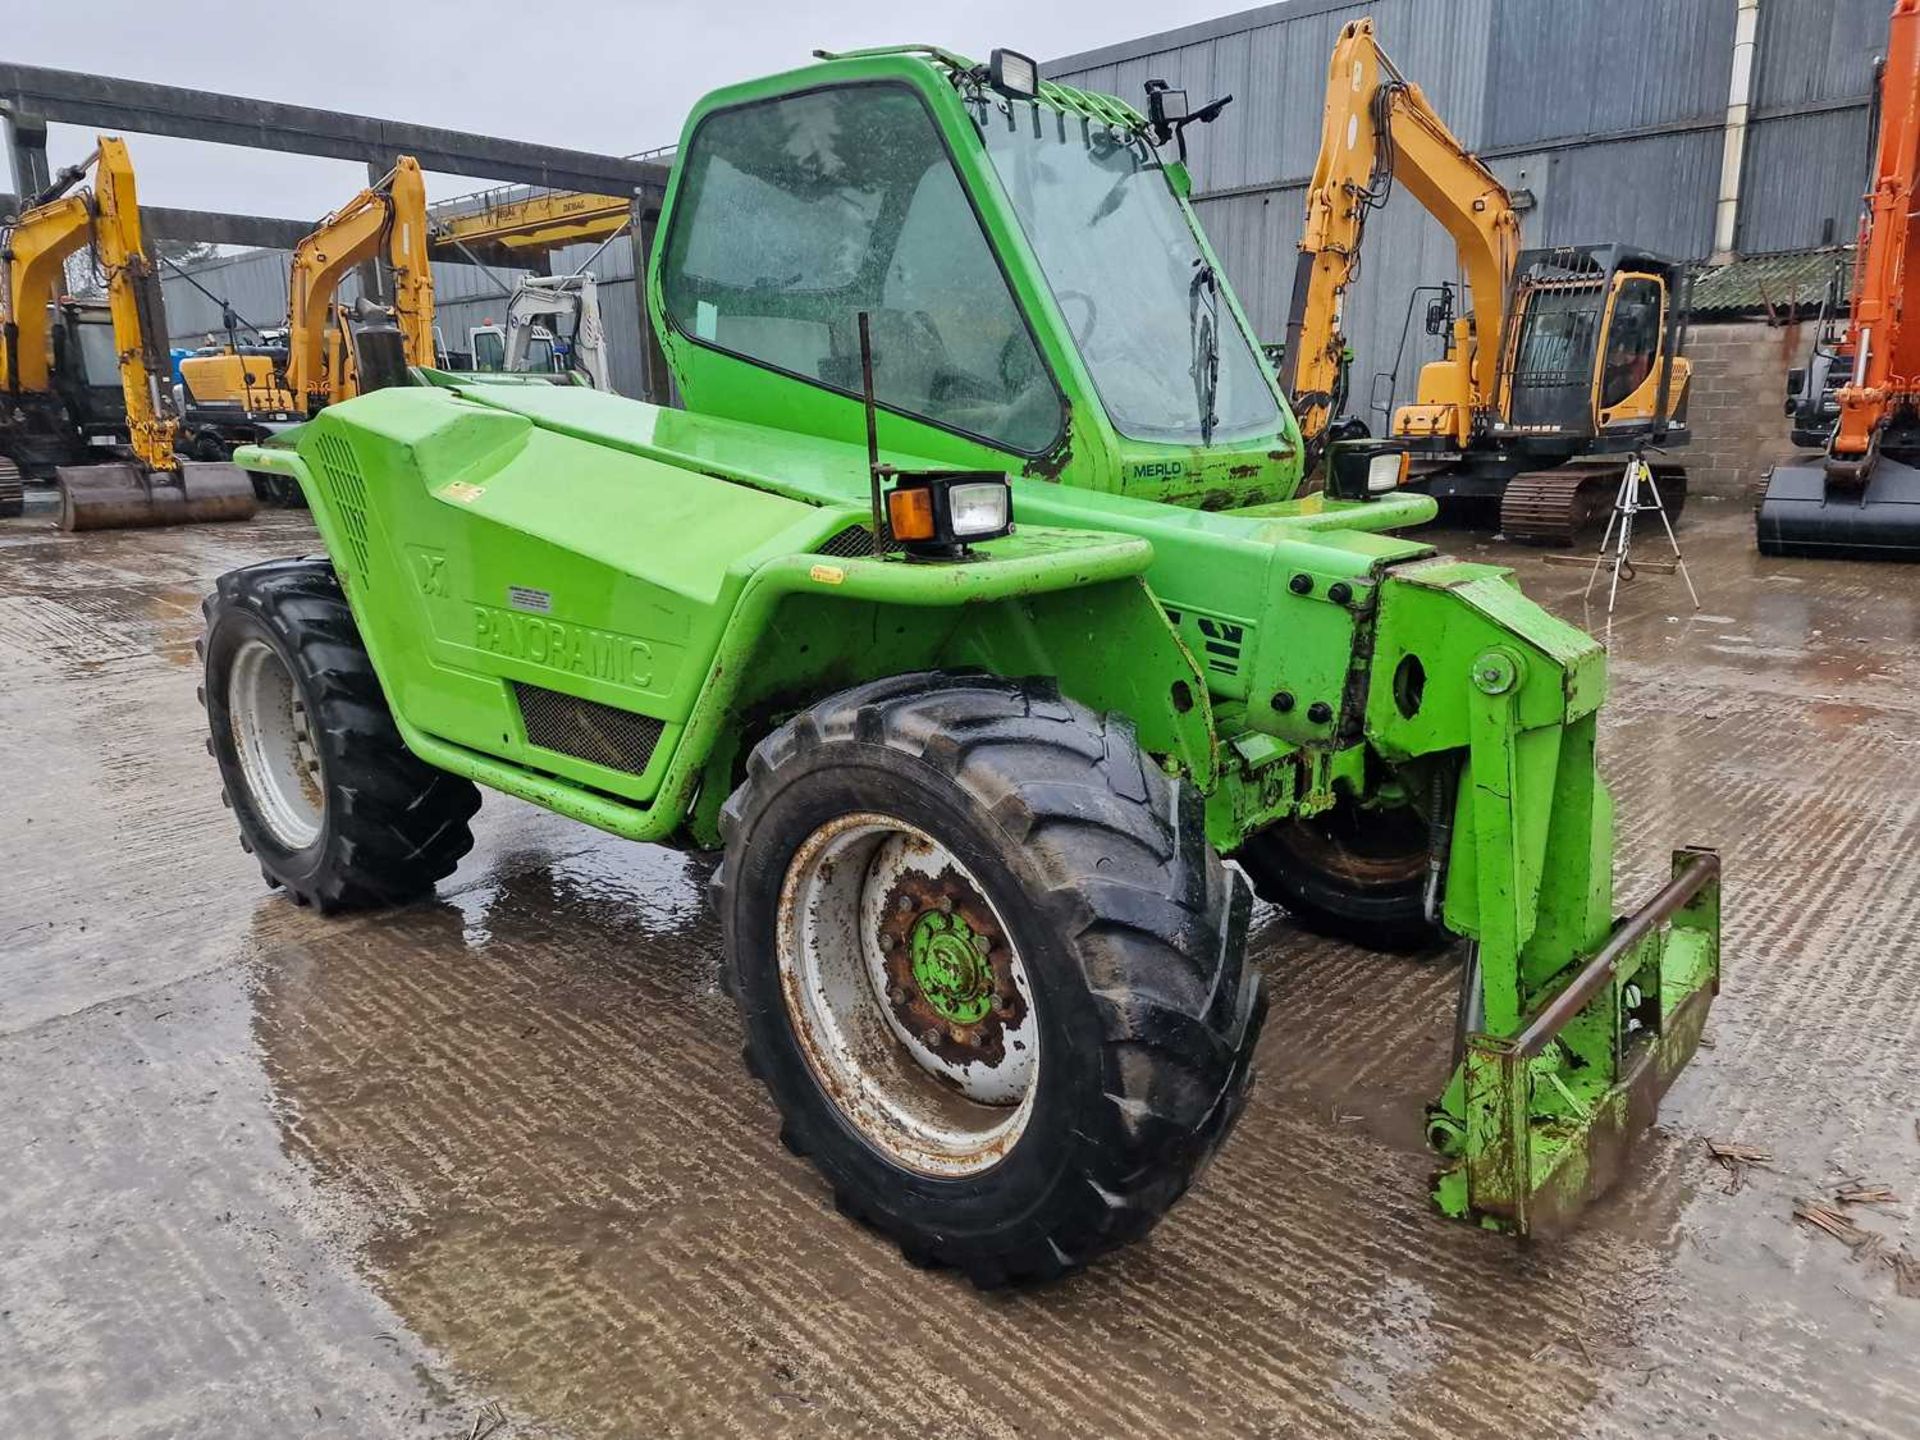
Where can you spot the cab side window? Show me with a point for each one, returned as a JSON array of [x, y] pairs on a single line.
[[1633, 340], [795, 215]]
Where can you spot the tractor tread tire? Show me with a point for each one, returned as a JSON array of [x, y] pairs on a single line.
[[1135, 909], [393, 825], [1390, 919]]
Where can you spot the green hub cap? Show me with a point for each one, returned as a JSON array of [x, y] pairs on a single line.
[[951, 968]]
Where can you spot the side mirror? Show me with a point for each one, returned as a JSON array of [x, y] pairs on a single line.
[[1169, 113], [1439, 316], [1365, 469]]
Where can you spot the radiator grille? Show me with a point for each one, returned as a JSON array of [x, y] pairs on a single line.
[[853, 542], [347, 494], [588, 730]]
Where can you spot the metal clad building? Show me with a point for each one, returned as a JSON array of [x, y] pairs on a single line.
[[1612, 113]]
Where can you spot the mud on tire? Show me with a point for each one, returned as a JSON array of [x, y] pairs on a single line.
[[1128, 928], [354, 820]]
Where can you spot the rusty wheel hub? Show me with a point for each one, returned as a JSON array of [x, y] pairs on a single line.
[[907, 994]]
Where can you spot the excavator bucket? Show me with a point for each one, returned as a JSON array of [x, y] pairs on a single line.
[[123, 496], [1804, 514]]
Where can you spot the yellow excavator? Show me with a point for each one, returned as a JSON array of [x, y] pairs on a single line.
[[332, 351], [79, 381], [1558, 365], [235, 394]]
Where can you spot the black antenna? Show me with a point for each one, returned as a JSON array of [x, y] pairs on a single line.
[[875, 470]]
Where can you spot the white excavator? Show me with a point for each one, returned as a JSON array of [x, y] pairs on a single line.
[[553, 326]]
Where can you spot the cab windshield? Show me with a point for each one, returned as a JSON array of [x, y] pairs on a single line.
[[99, 356], [1146, 309]]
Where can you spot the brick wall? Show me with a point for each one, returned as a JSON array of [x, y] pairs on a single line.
[[1736, 408]]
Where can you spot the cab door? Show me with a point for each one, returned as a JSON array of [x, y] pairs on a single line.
[[1632, 351]]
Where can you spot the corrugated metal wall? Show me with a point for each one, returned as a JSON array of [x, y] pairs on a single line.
[[1609, 111]]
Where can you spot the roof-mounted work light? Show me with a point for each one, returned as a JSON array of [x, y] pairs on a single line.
[[1013, 74]]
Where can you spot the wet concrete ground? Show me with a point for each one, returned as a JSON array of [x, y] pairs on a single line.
[[494, 1158]]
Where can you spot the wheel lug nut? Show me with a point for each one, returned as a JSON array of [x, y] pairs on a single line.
[[896, 995], [946, 905], [982, 944], [931, 1036], [889, 940], [904, 904], [959, 1034]]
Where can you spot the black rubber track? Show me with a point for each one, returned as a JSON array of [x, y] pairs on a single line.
[[1131, 929], [393, 824], [1377, 913], [13, 491]]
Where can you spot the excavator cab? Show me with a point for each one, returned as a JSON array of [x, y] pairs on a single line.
[[1591, 354], [86, 367]]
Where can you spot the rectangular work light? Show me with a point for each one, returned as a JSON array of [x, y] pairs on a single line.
[[939, 513], [1365, 469], [1014, 74]]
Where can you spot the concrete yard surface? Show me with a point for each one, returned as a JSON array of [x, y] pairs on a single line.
[[489, 1165]]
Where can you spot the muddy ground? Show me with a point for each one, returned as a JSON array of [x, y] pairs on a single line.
[[493, 1158]]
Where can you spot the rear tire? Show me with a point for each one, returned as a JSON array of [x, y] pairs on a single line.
[[1107, 1051], [1352, 874], [329, 799], [281, 491]]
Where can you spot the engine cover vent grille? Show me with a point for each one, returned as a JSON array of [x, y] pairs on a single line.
[[853, 543], [587, 730], [348, 492]]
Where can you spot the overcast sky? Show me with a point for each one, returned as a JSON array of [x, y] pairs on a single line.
[[590, 74]]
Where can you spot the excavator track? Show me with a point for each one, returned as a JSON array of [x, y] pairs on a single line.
[[13, 491], [1567, 504]]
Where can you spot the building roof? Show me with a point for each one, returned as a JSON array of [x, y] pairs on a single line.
[[1791, 285]]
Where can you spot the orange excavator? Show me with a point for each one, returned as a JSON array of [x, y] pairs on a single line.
[[1863, 499]]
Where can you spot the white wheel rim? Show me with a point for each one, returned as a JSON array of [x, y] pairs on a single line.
[[907, 994], [285, 784]]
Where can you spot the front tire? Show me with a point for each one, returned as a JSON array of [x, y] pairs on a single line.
[[988, 968], [329, 799]]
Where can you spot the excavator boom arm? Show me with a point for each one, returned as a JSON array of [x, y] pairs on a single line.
[[37, 247], [133, 297], [387, 221], [1885, 342], [1378, 129], [31, 268]]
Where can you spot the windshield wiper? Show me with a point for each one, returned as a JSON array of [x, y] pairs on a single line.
[[1203, 313]]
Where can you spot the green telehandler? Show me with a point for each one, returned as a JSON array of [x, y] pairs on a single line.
[[971, 608]]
